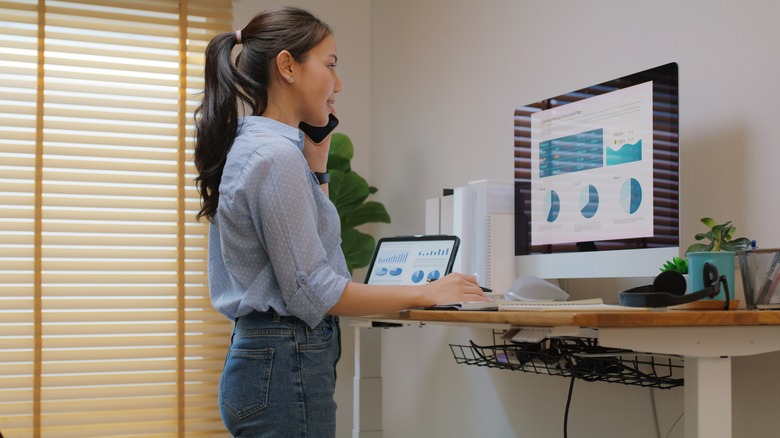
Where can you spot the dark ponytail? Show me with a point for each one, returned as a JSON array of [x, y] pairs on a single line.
[[246, 83]]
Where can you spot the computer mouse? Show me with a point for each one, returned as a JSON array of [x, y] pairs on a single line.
[[530, 288]]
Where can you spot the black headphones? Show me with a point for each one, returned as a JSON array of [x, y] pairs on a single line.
[[668, 289]]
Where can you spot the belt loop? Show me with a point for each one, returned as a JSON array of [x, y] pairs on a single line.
[[235, 327], [277, 318]]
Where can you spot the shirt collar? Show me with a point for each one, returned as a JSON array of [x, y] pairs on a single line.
[[295, 135]]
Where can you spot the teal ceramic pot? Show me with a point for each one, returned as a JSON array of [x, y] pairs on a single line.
[[723, 260]]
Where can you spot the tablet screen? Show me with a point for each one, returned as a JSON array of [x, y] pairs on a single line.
[[411, 260]]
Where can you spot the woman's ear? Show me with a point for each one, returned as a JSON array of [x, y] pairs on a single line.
[[284, 66]]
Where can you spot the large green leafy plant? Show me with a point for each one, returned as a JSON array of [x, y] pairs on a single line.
[[349, 192]]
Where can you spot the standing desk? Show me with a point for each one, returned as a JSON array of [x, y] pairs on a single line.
[[707, 339]]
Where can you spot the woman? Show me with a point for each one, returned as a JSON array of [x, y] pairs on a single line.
[[275, 262]]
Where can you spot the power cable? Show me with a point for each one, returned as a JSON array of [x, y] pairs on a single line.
[[568, 403]]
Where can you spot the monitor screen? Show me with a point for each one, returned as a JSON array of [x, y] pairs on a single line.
[[596, 170]]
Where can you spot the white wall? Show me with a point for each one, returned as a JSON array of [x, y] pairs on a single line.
[[430, 86], [446, 76]]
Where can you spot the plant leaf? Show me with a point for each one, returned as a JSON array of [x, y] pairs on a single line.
[[341, 146], [357, 248], [365, 213], [696, 247], [730, 234], [708, 221], [337, 162], [347, 191], [727, 230], [737, 245], [676, 264]]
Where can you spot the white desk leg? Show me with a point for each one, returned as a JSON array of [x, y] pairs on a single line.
[[367, 391], [707, 397]]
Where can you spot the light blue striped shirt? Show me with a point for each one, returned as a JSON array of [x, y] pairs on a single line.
[[276, 240]]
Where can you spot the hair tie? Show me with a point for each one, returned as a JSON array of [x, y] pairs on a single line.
[[238, 36]]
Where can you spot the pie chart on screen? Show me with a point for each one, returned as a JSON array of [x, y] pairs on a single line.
[[589, 201], [631, 195], [552, 205]]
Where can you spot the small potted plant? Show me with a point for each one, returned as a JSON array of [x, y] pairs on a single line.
[[720, 251], [676, 264]]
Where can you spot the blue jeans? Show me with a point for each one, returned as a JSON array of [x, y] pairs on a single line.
[[280, 376]]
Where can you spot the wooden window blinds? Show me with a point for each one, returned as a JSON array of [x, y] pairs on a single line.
[[106, 328]]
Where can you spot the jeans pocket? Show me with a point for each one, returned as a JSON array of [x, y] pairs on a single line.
[[321, 336], [243, 387]]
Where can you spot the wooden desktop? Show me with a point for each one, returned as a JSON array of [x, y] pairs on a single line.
[[707, 339]]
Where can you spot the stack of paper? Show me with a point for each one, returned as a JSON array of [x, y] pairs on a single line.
[[592, 304]]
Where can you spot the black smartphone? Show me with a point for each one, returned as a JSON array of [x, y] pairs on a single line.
[[318, 133]]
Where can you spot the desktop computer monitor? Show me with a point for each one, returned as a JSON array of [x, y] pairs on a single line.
[[596, 175]]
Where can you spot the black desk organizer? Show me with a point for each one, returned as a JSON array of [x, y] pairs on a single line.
[[581, 358]]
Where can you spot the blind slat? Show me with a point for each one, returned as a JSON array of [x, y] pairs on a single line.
[[113, 22], [139, 252], [111, 303], [103, 176], [147, 67], [91, 277], [138, 103], [158, 82], [110, 239], [127, 90], [64, 187]]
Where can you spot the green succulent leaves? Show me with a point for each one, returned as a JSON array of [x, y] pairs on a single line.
[[676, 264]]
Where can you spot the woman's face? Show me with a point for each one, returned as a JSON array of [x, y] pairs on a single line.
[[318, 83]]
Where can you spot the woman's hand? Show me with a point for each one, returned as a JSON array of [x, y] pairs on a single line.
[[360, 299], [316, 154], [454, 288]]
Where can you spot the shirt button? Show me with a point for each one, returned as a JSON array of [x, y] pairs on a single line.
[[301, 279]]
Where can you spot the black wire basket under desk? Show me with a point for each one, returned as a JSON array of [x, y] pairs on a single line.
[[581, 358]]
